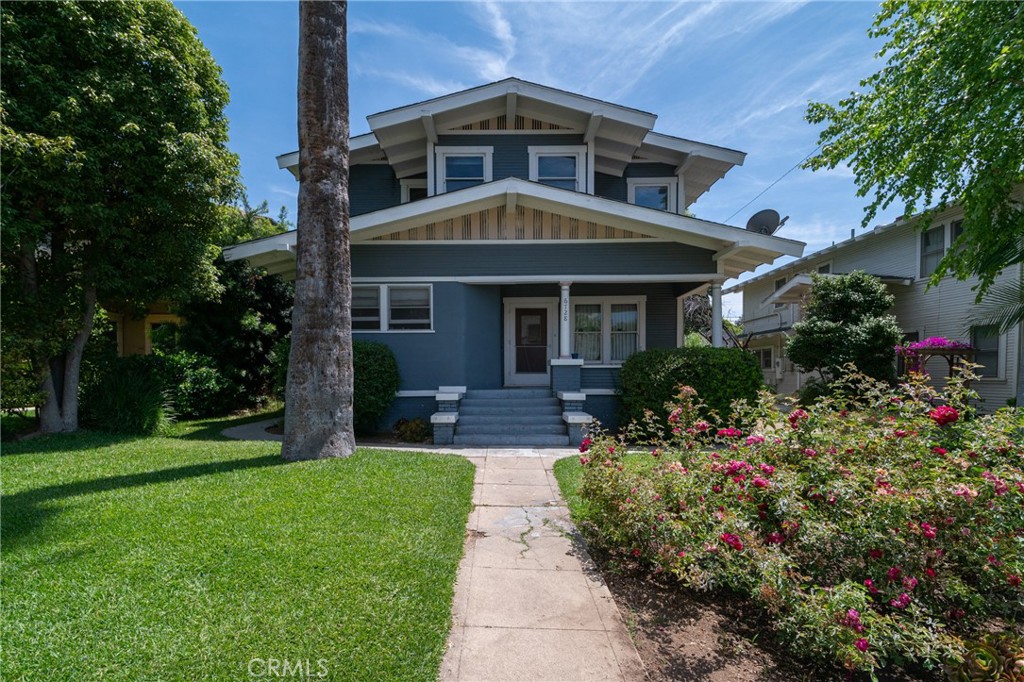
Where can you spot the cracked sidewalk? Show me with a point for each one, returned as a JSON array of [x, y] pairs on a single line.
[[529, 603]]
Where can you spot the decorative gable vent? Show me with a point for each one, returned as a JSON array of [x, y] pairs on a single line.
[[520, 123]]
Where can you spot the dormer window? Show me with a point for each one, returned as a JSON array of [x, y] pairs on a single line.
[[461, 167], [562, 166], [658, 193]]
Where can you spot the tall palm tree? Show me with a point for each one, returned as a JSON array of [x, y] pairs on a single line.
[[318, 394]]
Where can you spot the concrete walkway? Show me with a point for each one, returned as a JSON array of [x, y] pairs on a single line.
[[529, 604]]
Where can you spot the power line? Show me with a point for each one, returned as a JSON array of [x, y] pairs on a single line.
[[798, 164]]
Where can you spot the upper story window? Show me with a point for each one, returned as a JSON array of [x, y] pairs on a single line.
[[933, 248], [779, 283], [825, 269], [659, 193], [461, 167], [413, 189], [561, 166]]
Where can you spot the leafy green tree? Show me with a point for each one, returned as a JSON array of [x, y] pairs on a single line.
[[941, 123], [115, 162], [847, 321]]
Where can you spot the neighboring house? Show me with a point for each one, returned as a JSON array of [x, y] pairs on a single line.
[[515, 236], [904, 258], [134, 333]]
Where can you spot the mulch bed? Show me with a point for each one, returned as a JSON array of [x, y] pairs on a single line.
[[683, 635]]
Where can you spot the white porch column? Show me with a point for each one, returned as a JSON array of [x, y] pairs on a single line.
[[716, 314], [564, 346]]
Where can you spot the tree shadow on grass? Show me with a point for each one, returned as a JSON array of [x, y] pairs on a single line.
[[25, 511], [211, 429]]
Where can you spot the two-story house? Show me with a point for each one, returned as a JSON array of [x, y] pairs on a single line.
[[904, 258], [516, 236]]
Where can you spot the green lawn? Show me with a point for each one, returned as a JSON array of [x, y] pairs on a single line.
[[186, 557]]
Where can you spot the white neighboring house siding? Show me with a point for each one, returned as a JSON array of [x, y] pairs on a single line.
[[942, 310]]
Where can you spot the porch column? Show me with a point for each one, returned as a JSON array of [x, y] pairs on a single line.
[[564, 346], [716, 314]]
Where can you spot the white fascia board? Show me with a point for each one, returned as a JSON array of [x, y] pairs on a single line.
[[678, 144], [357, 143], [284, 243], [797, 286], [501, 89]]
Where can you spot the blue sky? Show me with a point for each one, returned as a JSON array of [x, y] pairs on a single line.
[[736, 74]]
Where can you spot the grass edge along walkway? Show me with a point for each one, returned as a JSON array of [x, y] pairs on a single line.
[[184, 559]]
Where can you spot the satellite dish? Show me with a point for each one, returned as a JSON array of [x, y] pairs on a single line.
[[766, 221]]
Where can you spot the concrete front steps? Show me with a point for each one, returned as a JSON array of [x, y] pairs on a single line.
[[511, 416]]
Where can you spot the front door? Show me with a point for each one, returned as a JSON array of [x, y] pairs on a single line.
[[529, 339]]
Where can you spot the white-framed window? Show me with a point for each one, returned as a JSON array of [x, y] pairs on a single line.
[[659, 193], [563, 166], [933, 248], [461, 167], [956, 229], [413, 189], [985, 340], [606, 331], [824, 268], [779, 283], [392, 307], [764, 356]]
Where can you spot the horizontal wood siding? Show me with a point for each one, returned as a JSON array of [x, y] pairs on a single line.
[[372, 187], [390, 259], [601, 378]]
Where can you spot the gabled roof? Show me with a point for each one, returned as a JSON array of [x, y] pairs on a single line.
[[620, 135], [736, 250]]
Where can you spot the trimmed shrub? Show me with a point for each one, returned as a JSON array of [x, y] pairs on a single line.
[[720, 375], [196, 387], [413, 430], [375, 380], [125, 395]]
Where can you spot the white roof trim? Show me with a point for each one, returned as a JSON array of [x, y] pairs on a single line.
[[357, 143], [689, 147], [501, 89]]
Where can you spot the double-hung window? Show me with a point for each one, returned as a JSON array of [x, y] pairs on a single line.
[[779, 283], [765, 357], [562, 166], [659, 193], [933, 248], [985, 340], [607, 331], [461, 167], [392, 307]]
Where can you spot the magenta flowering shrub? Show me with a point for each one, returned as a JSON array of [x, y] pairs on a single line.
[[912, 351], [874, 530]]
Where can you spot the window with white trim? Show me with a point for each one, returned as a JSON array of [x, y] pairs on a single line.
[[764, 356], [392, 307], [562, 166], [413, 189], [779, 283], [825, 269], [607, 331], [461, 167], [985, 340], [933, 248], [659, 193]]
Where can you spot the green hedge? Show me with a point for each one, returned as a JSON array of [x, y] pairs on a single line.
[[376, 380], [719, 375], [125, 395]]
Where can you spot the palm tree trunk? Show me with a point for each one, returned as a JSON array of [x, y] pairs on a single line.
[[318, 394]]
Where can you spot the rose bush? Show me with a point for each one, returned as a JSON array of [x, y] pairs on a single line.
[[874, 529]]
